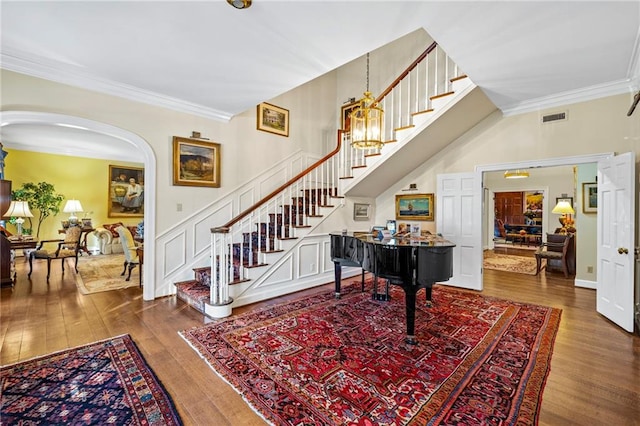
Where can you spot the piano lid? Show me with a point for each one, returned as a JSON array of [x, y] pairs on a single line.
[[429, 240]]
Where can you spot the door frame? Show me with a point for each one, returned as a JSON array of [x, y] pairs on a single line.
[[528, 164]]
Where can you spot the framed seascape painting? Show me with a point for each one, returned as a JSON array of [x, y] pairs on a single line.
[[273, 119], [414, 207], [196, 163], [126, 191]]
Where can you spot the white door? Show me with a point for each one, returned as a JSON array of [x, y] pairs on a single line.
[[459, 219], [616, 231]]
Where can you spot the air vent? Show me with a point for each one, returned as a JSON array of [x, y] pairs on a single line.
[[559, 116]]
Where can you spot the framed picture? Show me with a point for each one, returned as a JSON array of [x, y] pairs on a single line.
[[196, 163], [86, 223], [361, 211], [345, 122], [126, 191], [273, 119], [414, 207], [590, 197]]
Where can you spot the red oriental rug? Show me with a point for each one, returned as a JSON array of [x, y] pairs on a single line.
[[105, 382], [322, 361]]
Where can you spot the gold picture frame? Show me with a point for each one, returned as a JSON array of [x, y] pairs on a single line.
[[415, 207], [196, 162], [125, 198], [345, 121], [273, 119]]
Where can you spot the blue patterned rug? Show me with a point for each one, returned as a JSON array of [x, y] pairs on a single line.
[[106, 382]]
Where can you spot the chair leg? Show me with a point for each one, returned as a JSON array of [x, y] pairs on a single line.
[[538, 264], [131, 266], [565, 268], [31, 256], [48, 267], [124, 269]]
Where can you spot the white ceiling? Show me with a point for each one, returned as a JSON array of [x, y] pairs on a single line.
[[207, 58]]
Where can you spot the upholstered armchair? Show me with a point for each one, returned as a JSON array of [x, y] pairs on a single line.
[[64, 249], [129, 249]]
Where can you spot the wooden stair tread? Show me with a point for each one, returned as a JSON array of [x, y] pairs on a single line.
[[442, 95]]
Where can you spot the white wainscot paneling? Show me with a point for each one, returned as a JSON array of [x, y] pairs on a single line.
[[202, 229], [327, 264], [246, 199], [174, 254], [309, 258]]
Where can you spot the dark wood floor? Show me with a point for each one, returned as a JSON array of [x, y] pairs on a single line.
[[595, 369]]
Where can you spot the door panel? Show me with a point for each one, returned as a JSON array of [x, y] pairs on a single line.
[[616, 231], [458, 219]]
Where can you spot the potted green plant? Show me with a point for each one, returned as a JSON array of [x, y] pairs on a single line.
[[41, 197]]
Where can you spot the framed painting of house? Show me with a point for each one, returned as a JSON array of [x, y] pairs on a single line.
[[414, 207], [196, 163], [590, 197], [126, 191], [273, 119], [345, 122]]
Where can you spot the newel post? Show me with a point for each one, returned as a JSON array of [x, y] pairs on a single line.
[[219, 305]]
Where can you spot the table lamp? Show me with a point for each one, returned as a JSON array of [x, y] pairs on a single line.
[[564, 209], [19, 209], [73, 207]]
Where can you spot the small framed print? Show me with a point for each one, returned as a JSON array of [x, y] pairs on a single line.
[[590, 197], [361, 211], [273, 119]]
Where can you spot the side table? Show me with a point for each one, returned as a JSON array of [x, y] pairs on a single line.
[[19, 244]]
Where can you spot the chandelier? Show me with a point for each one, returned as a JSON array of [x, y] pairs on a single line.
[[240, 4], [367, 121]]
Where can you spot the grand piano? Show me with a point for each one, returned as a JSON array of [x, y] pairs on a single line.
[[410, 263]]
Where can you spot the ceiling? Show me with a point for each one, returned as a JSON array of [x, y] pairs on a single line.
[[209, 59]]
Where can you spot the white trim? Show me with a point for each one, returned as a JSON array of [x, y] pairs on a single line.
[[546, 162], [586, 284], [137, 143]]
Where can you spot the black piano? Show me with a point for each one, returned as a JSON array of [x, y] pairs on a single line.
[[410, 263]]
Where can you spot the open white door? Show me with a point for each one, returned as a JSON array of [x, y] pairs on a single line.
[[458, 219], [616, 232]]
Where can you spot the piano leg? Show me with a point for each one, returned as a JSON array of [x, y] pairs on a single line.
[[410, 308], [337, 272], [427, 292]]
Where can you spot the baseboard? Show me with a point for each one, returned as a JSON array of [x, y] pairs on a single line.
[[585, 284]]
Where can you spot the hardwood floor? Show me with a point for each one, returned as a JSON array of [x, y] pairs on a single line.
[[594, 378]]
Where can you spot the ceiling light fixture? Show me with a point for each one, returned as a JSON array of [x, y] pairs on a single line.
[[240, 4], [367, 121], [518, 174]]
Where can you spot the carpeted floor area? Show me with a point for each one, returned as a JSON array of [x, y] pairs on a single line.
[[510, 263], [102, 273], [101, 383], [318, 360]]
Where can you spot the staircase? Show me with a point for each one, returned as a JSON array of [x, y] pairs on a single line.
[[248, 248]]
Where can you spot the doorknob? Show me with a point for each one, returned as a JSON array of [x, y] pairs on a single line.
[[622, 250]]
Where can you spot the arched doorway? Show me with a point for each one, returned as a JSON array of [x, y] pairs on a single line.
[[98, 137]]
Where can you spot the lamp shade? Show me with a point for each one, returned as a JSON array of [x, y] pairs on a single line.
[[72, 206], [18, 209], [563, 207]]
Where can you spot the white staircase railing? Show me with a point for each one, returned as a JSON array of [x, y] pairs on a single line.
[[243, 242]]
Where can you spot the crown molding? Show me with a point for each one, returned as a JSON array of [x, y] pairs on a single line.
[[71, 75], [571, 97]]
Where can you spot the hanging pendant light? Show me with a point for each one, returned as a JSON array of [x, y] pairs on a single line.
[[367, 121]]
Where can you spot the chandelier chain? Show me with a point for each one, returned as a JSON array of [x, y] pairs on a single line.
[[367, 71]]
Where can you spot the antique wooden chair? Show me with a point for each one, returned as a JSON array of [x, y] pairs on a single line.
[[65, 249], [129, 247], [554, 249]]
